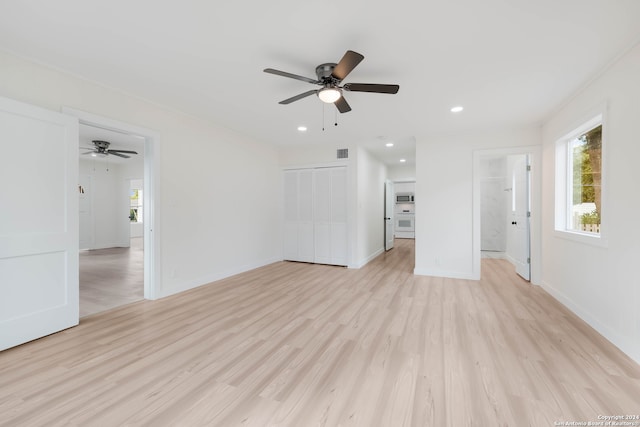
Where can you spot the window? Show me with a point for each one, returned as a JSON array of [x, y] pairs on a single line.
[[579, 180], [135, 207]]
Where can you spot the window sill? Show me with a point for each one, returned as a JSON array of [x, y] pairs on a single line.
[[585, 238]]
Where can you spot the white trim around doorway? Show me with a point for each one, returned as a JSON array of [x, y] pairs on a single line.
[[152, 236], [535, 153]]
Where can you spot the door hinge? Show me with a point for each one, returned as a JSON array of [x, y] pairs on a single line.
[[528, 214], [528, 260], [528, 168]]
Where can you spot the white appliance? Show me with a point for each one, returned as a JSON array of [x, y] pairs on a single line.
[[404, 221], [404, 198]]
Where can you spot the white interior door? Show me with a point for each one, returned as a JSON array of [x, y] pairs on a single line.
[[389, 203], [315, 218], [330, 215], [520, 216], [339, 216], [38, 222], [298, 215], [322, 216], [306, 250]]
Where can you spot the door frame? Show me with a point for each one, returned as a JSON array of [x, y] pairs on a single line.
[[535, 229], [389, 220], [151, 201]]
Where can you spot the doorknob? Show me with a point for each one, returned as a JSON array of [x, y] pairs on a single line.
[[387, 218]]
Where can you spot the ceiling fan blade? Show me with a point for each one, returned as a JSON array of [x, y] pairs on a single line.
[[348, 62], [118, 154], [342, 105], [291, 76], [89, 152], [370, 87], [122, 151], [297, 97]]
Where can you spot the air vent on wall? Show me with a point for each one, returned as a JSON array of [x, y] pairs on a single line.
[[343, 153]]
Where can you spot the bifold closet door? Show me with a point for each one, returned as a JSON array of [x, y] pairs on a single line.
[[315, 226], [330, 216], [298, 212]]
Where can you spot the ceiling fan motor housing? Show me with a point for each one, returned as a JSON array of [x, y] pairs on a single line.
[[324, 71], [101, 145]]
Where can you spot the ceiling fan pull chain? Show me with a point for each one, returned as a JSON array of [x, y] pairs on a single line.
[[322, 117], [336, 113]]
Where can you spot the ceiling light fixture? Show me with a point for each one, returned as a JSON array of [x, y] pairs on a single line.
[[389, 144], [329, 94], [403, 160], [457, 109], [302, 128]]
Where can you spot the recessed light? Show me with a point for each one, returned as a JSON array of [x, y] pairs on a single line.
[[302, 128], [457, 109], [403, 160], [389, 144]]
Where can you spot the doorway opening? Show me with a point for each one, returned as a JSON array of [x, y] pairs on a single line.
[[142, 249], [505, 203], [111, 213]]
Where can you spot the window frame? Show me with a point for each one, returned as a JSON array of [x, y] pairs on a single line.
[[563, 178]]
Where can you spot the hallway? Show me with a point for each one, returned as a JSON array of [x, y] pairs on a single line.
[[111, 277]]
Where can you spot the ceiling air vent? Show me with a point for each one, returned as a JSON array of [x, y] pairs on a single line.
[[343, 153]]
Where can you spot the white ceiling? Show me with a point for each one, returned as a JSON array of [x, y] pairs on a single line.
[[508, 62]]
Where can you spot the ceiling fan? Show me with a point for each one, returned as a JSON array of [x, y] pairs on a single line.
[[330, 77], [101, 149]]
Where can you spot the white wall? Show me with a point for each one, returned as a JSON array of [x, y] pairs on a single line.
[[601, 284], [444, 199], [371, 177], [220, 190], [106, 204], [401, 172]]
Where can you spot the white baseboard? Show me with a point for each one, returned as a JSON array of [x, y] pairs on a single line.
[[368, 259], [629, 348], [190, 284], [444, 273]]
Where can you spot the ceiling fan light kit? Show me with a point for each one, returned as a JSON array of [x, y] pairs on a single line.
[[329, 94], [330, 76]]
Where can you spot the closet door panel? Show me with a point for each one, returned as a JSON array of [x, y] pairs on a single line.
[[339, 216], [305, 216], [339, 195], [322, 215], [339, 244]]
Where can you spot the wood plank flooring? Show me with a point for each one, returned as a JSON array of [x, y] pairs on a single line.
[[294, 344], [111, 277]]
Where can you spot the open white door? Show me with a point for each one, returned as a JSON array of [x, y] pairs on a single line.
[[520, 216], [38, 222], [389, 204]]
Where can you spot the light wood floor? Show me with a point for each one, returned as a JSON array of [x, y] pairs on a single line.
[[111, 277], [301, 345]]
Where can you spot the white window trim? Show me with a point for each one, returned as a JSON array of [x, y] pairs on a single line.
[[562, 204]]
